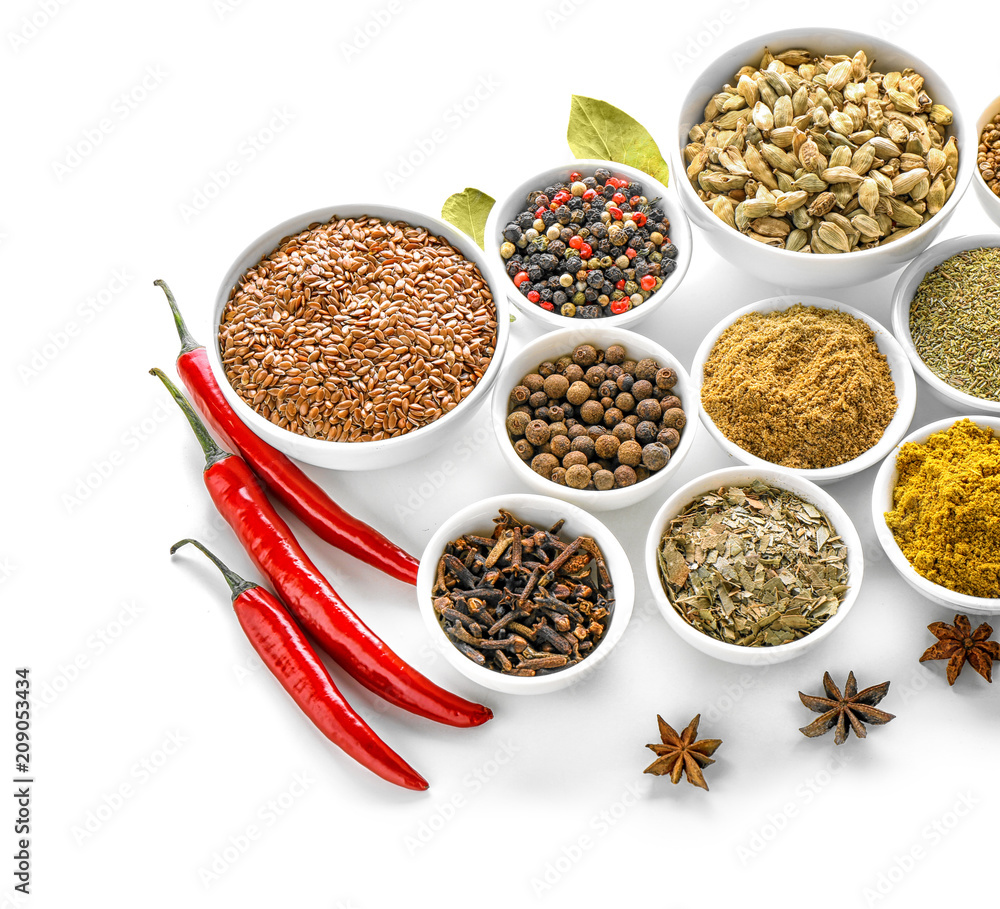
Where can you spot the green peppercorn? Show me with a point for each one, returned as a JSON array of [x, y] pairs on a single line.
[[579, 299], [568, 310], [631, 287]]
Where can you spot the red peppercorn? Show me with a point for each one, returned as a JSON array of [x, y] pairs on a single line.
[[639, 218], [616, 213], [560, 197], [618, 199], [534, 297], [589, 195], [634, 201], [620, 306], [548, 304], [620, 285], [586, 250], [648, 282], [520, 278], [540, 211], [576, 176], [575, 242], [631, 253], [614, 181]]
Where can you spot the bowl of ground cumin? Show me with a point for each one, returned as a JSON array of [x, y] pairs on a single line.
[[804, 383], [936, 510], [355, 337]]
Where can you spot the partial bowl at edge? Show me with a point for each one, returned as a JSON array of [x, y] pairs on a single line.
[[902, 297], [885, 482]]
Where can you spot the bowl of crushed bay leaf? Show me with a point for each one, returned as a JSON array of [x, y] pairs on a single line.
[[936, 510], [753, 566], [805, 384], [946, 315]]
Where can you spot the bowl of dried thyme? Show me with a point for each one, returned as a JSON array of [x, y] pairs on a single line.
[[525, 594], [807, 384], [946, 314], [753, 566], [821, 158], [936, 510]]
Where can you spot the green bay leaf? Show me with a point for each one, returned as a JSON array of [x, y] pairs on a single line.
[[468, 211], [600, 130]]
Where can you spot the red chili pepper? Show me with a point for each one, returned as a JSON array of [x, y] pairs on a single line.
[[270, 543], [300, 495], [292, 661]]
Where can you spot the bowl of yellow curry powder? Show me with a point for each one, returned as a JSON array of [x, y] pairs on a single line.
[[936, 509]]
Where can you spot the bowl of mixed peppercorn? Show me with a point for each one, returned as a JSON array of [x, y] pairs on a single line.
[[589, 241], [598, 416]]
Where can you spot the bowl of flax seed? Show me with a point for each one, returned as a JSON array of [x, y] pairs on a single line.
[[356, 336]]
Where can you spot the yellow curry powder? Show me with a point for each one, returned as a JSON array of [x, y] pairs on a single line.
[[946, 508]]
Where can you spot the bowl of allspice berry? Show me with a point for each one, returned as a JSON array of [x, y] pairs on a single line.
[[804, 383], [599, 417]]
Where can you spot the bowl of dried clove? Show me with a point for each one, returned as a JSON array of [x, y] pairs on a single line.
[[525, 594], [821, 158], [753, 566]]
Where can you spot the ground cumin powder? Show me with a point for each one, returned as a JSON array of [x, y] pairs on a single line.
[[800, 387], [946, 508]]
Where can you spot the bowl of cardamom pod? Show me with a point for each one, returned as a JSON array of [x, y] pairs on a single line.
[[936, 511], [821, 159], [946, 315], [807, 384], [753, 566]]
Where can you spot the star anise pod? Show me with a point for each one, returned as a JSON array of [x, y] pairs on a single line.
[[681, 753], [852, 707], [958, 643]]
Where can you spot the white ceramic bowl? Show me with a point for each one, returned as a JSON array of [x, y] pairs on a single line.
[[885, 482], [384, 452], [990, 202], [815, 271], [743, 476], [906, 287], [541, 511], [505, 210], [556, 344], [902, 376]]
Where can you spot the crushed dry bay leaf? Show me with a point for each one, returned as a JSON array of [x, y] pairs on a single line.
[[755, 566]]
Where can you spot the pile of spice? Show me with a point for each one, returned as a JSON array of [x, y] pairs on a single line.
[[755, 566], [988, 156], [946, 508], [523, 601], [589, 247], [955, 322], [822, 154], [801, 387], [596, 419], [358, 329]]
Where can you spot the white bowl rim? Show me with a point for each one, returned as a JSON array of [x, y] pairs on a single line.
[[300, 222], [595, 498], [963, 132], [882, 492], [521, 504], [774, 476], [679, 227], [929, 259], [906, 388]]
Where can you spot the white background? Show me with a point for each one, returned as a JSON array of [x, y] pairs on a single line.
[[143, 679]]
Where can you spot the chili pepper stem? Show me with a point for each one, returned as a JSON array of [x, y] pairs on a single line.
[[213, 454], [188, 343], [236, 584]]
